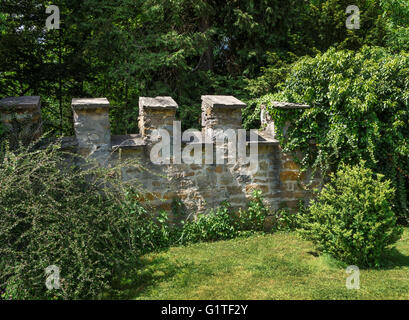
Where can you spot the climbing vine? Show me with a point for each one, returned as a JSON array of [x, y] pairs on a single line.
[[360, 111]]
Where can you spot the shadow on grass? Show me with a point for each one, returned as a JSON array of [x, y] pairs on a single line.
[[149, 271], [315, 254], [146, 273], [393, 258]]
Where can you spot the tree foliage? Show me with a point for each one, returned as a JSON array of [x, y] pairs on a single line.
[[124, 49]]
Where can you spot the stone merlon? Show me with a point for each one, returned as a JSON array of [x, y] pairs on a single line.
[[23, 114], [156, 113], [267, 122], [91, 124], [221, 113]]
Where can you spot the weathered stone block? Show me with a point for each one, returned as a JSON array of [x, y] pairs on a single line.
[[252, 187], [289, 175], [264, 165], [226, 179], [296, 194], [206, 181], [152, 196], [91, 124], [196, 167], [156, 113], [188, 174], [221, 113], [290, 204], [238, 200], [169, 195], [290, 165], [234, 190], [218, 169], [21, 116]]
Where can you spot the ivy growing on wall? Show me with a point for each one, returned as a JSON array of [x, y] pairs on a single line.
[[360, 111]]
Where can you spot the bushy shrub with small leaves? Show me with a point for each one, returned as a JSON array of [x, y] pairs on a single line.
[[253, 218], [78, 219], [352, 218]]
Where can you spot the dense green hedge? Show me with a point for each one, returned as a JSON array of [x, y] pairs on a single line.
[[352, 218]]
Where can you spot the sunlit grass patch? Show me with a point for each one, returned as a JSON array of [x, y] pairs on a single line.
[[278, 266]]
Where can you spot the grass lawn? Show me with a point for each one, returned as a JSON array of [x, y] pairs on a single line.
[[278, 266]]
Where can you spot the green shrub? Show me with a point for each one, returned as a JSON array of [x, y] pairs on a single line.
[[223, 224], [219, 224], [285, 220], [254, 217], [149, 232], [396, 13], [352, 219], [53, 213]]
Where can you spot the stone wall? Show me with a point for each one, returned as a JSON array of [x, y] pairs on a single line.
[[188, 187]]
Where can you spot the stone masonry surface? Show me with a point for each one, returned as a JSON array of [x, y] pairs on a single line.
[[195, 188]]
